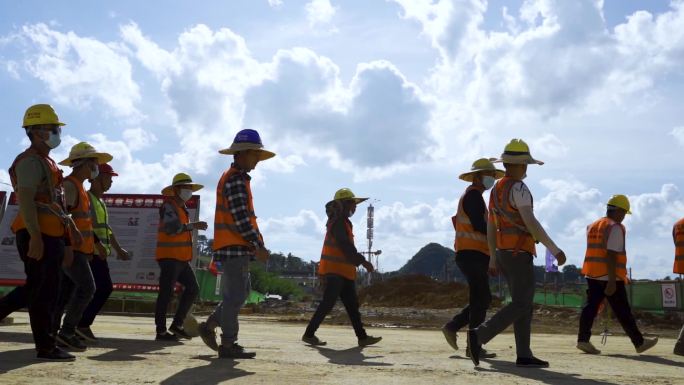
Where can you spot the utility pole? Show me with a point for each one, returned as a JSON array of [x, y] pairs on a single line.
[[369, 237]]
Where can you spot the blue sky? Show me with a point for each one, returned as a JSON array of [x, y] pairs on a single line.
[[393, 99]]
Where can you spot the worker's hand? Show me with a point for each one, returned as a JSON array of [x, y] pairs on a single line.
[[368, 266], [36, 247], [68, 257], [492, 269], [262, 254], [200, 225], [101, 251], [560, 258], [123, 255], [76, 237], [610, 288]]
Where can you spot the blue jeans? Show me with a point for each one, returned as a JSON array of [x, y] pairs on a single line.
[[235, 288], [78, 288]]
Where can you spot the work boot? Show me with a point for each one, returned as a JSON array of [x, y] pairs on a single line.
[[72, 343], [166, 337], [450, 337], [587, 347], [313, 340], [179, 332], [208, 335], [55, 354], [531, 362], [679, 348], [234, 351], [474, 347], [86, 334], [369, 340], [647, 344], [483, 353]]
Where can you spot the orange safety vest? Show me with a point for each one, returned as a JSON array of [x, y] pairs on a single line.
[[596, 258], [49, 197], [82, 219], [174, 246], [466, 236], [511, 232], [333, 260], [226, 233], [678, 236]]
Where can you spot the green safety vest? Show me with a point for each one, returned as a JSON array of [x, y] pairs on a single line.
[[100, 218]]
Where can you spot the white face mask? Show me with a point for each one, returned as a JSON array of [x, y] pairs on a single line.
[[488, 181], [185, 194], [94, 173], [54, 140]]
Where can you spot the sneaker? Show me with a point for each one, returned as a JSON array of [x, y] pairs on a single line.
[[474, 347], [55, 354], [234, 351], [208, 336], [166, 337], [587, 347], [313, 340], [72, 343], [483, 353], [647, 344], [180, 332], [450, 337], [369, 340], [86, 334], [531, 362], [679, 349]]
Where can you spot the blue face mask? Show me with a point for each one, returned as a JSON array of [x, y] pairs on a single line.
[[488, 181]]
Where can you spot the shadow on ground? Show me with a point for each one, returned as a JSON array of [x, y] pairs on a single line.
[[217, 371], [352, 356]]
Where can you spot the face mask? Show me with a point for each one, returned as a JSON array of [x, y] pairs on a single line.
[[54, 140], [94, 173], [488, 181], [185, 194]]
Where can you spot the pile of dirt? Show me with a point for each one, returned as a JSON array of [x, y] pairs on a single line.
[[417, 291]]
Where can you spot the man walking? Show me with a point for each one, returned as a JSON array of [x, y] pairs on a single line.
[[605, 267], [472, 251], [337, 268], [512, 231], [678, 268]]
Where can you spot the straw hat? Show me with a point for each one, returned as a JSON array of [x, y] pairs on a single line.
[[248, 140], [517, 152], [482, 164], [181, 180], [84, 150], [344, 194]]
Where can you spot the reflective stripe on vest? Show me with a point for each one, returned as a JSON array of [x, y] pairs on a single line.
[[49, 196], [81, 217], [678, 236], [100, 219], [333, 260], [226, 232], [466, 236], [596, 257], [174, 246], [511, 232]]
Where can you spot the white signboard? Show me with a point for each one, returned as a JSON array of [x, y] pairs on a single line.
[[134, 220], [669, 295]]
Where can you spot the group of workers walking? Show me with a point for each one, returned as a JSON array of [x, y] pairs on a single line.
[[64, 239]]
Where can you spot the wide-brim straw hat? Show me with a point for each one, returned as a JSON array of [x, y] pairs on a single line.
[[248, 140], [181, 180], [84, 150], [482, 164], [517, 152], [345, 194]]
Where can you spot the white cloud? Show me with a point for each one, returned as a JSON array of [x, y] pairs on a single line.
[[275, 3], [678, 133], [138, 138], [319, 13]]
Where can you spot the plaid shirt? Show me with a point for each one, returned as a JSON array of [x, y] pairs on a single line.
[[237, 195]]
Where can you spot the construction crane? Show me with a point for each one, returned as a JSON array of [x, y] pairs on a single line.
[[369, 237]]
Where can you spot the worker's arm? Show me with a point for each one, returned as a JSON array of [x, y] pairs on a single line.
[[475, 208], [614, 243], [339, 232], [29, 175], [491, 242], [535, 228], [612, 264], [120, 251]]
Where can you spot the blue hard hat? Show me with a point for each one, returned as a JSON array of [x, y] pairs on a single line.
[[248, 139]]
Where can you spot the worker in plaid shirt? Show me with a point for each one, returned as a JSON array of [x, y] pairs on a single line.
[[237, 241]]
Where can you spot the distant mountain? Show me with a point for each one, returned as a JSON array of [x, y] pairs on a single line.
[[433, 260]]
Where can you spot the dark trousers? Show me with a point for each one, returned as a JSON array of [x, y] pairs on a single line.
[[78, 287], [103, 289], [173, 271], [13, 301], [618, 302], [345, 289], [474, 265], [42, 286]]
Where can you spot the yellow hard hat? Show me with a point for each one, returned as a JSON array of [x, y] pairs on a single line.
[[184, 180], [345, 194], [517, 152], [84, 150], [482, 164], [620, 201], [41, 114]]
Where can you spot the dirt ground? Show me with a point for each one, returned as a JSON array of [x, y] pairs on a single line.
[[128, 355]]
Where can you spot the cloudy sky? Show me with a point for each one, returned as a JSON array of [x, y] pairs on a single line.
[[392, 98]]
